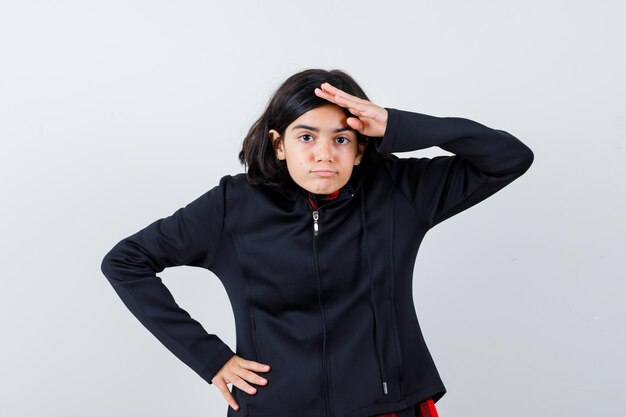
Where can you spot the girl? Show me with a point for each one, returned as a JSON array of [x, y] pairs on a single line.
[[315, 246]]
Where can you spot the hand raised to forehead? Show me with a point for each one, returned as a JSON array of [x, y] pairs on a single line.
[[370, 119]]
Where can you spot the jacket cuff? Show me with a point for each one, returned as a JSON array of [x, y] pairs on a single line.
[[385, 144], [216, 363]]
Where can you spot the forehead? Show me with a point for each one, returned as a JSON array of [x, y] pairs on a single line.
[[328, 117]]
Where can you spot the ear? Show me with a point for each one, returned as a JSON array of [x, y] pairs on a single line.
[[360, 151], [277, 143]]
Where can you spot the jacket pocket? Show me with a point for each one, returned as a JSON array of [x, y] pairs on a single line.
[[254, 342], [288, 342], [354, 365]]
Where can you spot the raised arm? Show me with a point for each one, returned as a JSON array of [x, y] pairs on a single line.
[[485, 160], [190, 236]]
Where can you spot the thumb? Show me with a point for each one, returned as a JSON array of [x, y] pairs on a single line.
[[356, 124]]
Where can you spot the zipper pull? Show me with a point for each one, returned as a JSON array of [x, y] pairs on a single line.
[[315, 226], [385, 387]]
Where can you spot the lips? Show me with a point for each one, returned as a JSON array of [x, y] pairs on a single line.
[[324, 173]]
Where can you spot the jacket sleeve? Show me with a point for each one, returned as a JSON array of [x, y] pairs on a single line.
[[190, 236], [485, 160]]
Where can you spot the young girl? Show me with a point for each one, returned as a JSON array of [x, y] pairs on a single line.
[[315, 246]]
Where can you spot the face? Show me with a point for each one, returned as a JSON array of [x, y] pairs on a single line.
[[320, 149]]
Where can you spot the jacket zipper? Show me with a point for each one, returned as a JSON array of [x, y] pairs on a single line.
[[315, 226], [325, 378]]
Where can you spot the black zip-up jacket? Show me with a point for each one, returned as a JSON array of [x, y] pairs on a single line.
[[322, 296]]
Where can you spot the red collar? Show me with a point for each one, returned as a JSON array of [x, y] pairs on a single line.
[[313, 200]]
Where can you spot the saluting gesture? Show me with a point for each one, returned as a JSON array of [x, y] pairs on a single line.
[[370, 120]]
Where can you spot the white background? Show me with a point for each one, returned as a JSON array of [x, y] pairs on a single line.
[[116, 113]]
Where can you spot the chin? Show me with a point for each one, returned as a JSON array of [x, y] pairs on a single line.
[[328, 187]]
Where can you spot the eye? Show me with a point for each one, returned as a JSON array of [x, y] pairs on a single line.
[[305, 135], [343, 137]]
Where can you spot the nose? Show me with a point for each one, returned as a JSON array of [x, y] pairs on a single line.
[[324, 150]]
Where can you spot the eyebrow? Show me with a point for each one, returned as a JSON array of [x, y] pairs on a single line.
[[314, 129]]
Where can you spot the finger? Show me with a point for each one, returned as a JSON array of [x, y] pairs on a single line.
[[356, 124], [337, 96], [252, 377], [339, 101], [243, 385], [367, 111], [363, 106], [323, 94], [338, 92], [355, 107], [359, 113], [221, 385], [255, 366]]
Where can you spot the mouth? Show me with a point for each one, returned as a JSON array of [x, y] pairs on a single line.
[[324, 173]]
